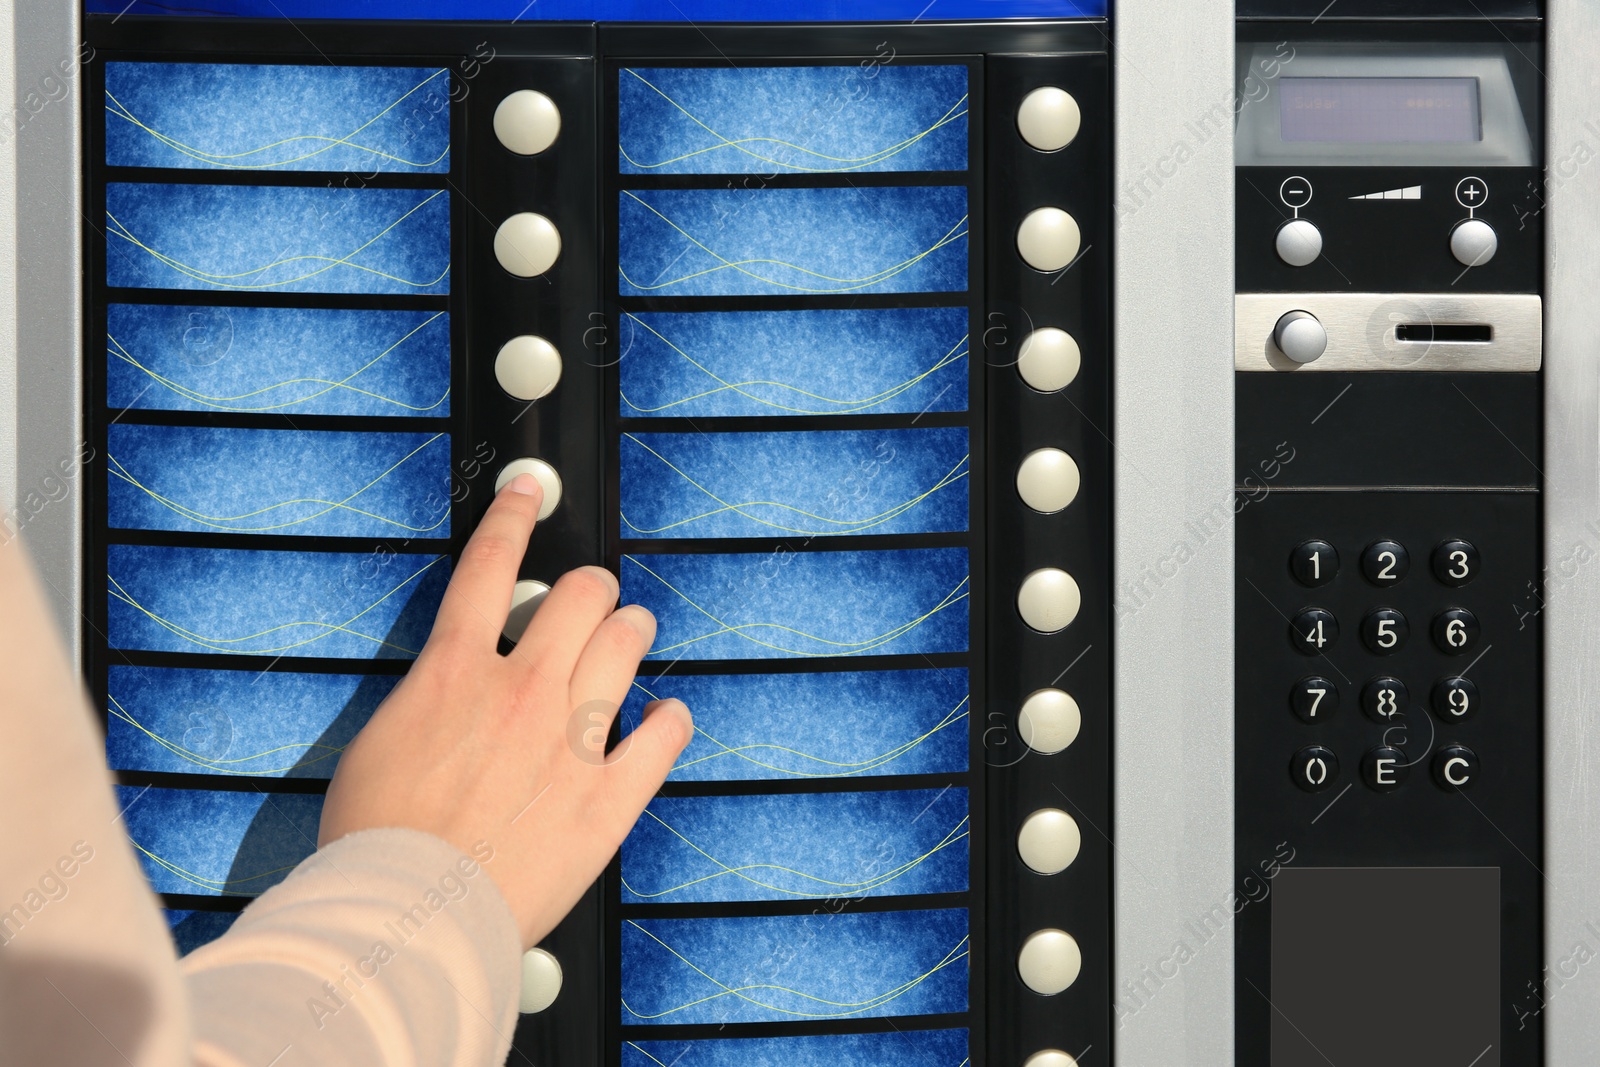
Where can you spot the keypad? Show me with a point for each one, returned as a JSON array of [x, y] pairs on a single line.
[[1385, 696]]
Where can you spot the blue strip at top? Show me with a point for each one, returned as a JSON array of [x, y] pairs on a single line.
[[619, 10]]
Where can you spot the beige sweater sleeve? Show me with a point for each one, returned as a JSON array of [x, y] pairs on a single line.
[[389, 948]]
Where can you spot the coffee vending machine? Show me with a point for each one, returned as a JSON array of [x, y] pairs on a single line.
[[1117, 487]]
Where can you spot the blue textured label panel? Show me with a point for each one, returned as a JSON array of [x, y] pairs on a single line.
[[244, 602], [789, 968], [179, 720], [814, 483], [244, 116], [269, 239], [886, 843], [213, 843], [788, 726], [899, 1048], [802, 604], [621, 10], [792, 242], [268, 360], [792, 120], [857, 361]]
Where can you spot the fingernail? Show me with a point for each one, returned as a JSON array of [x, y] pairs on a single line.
[[526, 484]]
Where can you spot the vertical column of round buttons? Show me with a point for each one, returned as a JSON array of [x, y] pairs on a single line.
[[1047, 481], [528, 368]]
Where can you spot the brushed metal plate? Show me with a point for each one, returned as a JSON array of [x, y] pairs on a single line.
[[1361, 331]]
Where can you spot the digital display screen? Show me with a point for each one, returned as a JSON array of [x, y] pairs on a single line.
[[1380, 110]]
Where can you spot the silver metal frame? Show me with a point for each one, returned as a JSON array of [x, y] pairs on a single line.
[[48, 283], [1173, 417], [1571, 594], [1361, 331]]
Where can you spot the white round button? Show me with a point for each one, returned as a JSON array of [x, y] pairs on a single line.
[[1049, 961], [1300, 336], [527, 367], [526, 596], [527, 245], [542, 473], [1299, 242], [1047, 480], [541, 981], [1048, 239], [1048, 600], [1049, 841], [1474, 243], [1049, 359], [1050, 1057], [527, 122], [1049, 721], [1049, 119]]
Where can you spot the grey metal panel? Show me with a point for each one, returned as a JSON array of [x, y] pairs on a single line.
[[1570, 988], [49, 264], [8, 275], [1173, 330], [1361, 331]]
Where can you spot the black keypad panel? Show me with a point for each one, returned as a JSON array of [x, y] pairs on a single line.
[[1433, 759]]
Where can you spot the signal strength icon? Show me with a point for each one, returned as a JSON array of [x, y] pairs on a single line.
[[1410, 192]]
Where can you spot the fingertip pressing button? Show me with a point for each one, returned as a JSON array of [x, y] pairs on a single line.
[[526, 596], [1049, 841], [1048, 239], [1048, 600], [1047, 480], [1049, 961], [1049, 359], [527, 244], [527, 122], [541, 981], [542, 472], [527, 367], [1049, 721], [1050, 1057], [1049, 118]]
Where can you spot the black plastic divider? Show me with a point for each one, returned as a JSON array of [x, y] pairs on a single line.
[[1076, 660]]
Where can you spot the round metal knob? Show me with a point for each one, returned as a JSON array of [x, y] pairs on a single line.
[[1300, 336], [1299, 242], [1474, 243]]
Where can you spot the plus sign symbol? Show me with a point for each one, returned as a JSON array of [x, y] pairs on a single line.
[[1472, 192]]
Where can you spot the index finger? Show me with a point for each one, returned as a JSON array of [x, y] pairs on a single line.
[[478, 599]]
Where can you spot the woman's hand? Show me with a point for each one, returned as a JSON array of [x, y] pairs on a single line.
[[478, 748]]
